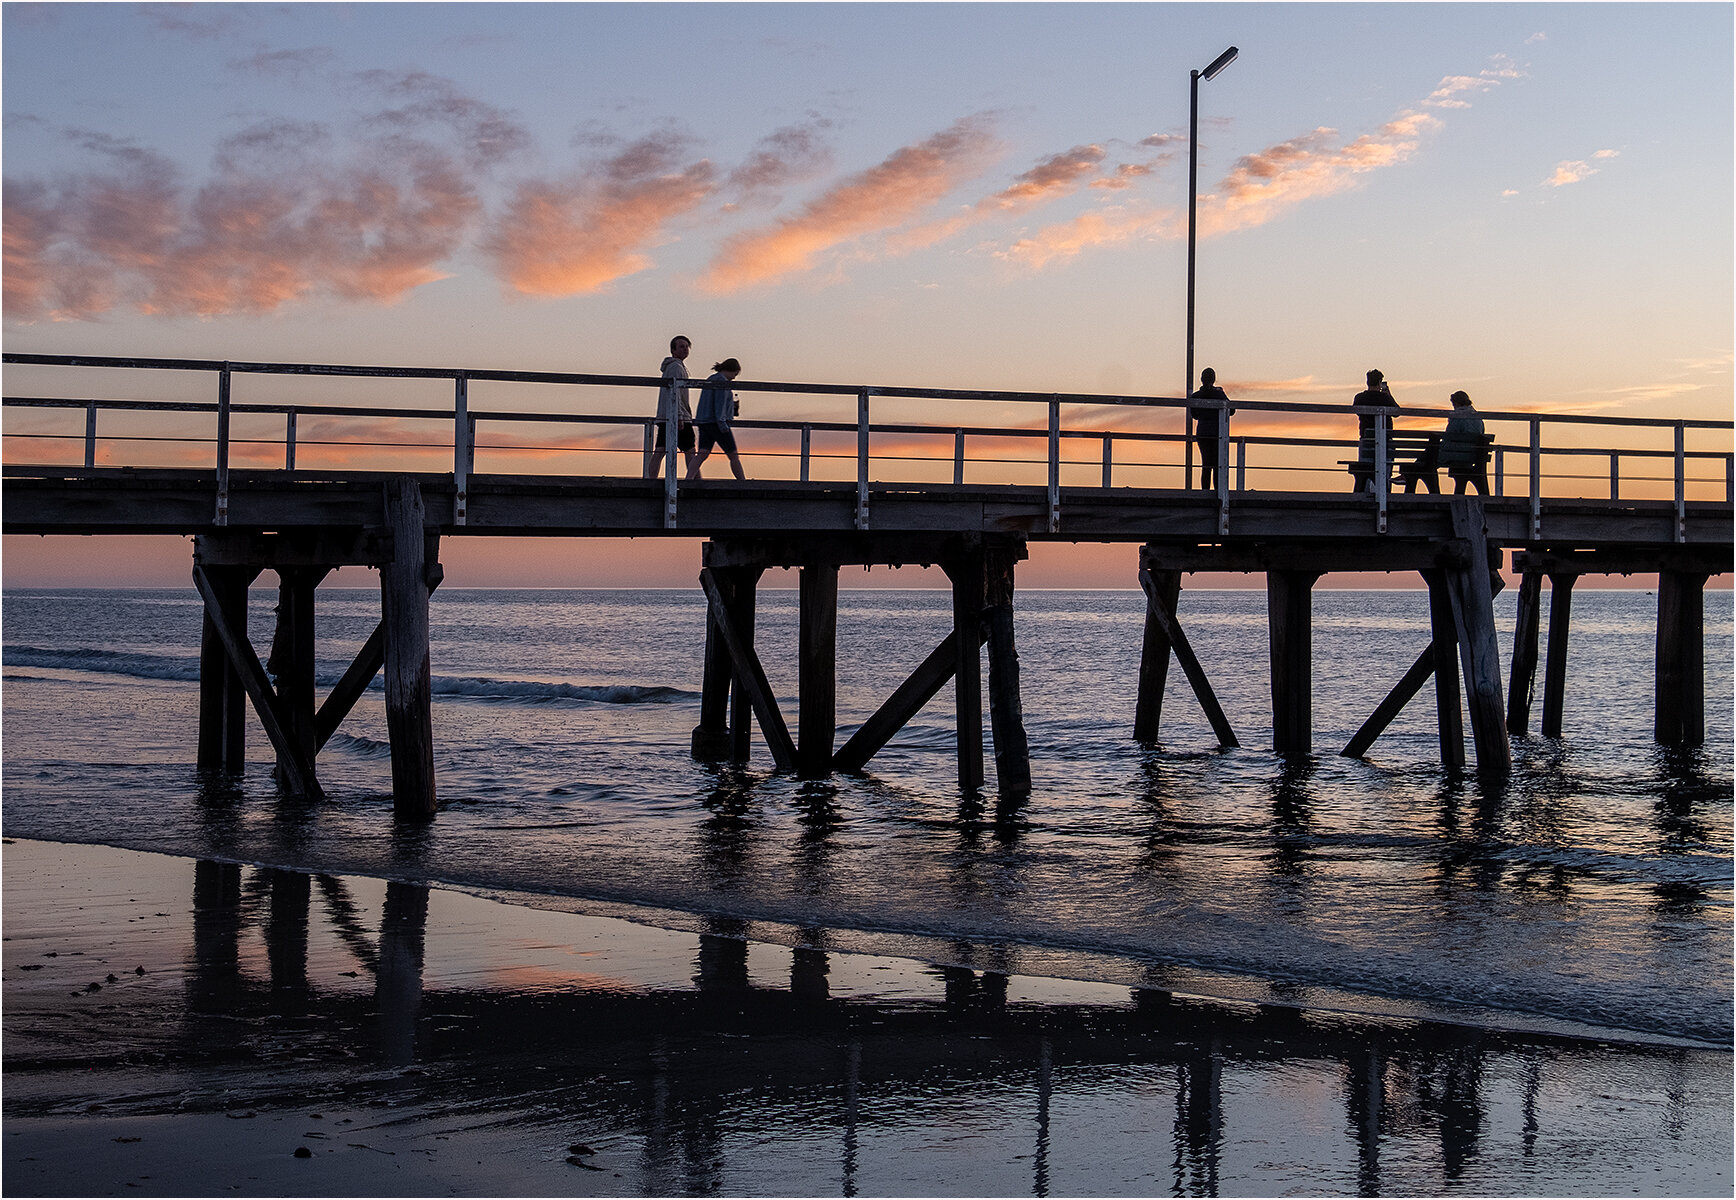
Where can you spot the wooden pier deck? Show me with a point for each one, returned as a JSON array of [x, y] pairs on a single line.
[[1280, 507]]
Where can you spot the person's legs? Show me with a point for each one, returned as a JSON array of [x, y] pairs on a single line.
[[726, 439], [707, 438]]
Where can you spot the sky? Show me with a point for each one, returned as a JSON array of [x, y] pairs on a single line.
[[1530, 202]]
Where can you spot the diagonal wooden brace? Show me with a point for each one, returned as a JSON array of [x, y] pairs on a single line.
[[905, 702], [354, 684], [297, 769], [751, 676], [1190, 665]]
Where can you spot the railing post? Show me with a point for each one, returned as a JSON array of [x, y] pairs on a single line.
[[289, 440], [1730, 479], [90, 435], [1054, 464], [223, 445], [1223, 469], [461, 449], [1381, 473], [958, 456], [1536, 479], [1241, 464], [1681, 482], [1500, 471], [807, 450], [1108, 457], [862, 459], [672, 427], [1614, 475]]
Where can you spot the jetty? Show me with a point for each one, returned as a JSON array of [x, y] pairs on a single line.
[[315, 467]]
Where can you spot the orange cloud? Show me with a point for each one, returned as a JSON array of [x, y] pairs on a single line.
[[1056, 176], [908, 181], [579, 235]]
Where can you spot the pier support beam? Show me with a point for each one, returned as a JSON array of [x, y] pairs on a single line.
[[1555, 665], [1154, 657], [222, 696], [1679, 718], [409, 681], [291, 662], [966, 572], [1472, 593], [732, 616], [1006, 705], [817, 671], [1448, 721], [1524, 673], [1157, 610], [1289, 618]]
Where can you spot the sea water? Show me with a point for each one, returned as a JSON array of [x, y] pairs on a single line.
[[1589, 892]]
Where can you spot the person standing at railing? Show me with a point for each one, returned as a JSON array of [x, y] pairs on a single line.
[[1465, 447], [1208, 426], [717, 408], [673, 395], [1376, 395]]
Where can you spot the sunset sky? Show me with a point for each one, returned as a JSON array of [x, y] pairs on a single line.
[[1530, 202]]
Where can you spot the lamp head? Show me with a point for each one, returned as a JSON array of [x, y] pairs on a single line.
[[1219, 63]]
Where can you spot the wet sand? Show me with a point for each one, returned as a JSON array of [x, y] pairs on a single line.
[[182, 1028]]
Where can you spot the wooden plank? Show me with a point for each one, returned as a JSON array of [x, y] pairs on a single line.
[[1523, 677], [817, 671], [298, 777], [904, 703], [1190, 665], [750, 676], [1555, 666], [409, 682], [1154, 654]]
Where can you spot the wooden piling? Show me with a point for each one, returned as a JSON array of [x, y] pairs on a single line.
[[1470, 587], [1190, 664], [750, 691], [1448, 721], [409, 676], [1555, 665], [1289, 615], [966, 573], [817, 670], [292, 657], [222, 697], [1154, 657], [1524, 673], [1679, 715], [1006, 707]]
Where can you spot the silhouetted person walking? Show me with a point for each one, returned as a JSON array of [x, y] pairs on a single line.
[[717, 409], [1208, 426], [1376, 395], [1465, 447], [673, 394]]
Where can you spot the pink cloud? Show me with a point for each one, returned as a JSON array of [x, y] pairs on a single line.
[[564, 238], [907, 182]]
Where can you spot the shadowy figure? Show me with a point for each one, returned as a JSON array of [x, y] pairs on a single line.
[[717, 408], [673, 394], [1376, 395], [1465, 447], [1208, 426]]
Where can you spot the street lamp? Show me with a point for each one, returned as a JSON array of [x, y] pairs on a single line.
[[1193, 169]]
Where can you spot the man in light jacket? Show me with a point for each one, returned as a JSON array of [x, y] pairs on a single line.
[[673, 395]]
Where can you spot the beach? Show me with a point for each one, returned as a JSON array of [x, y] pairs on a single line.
[[255, 1031]]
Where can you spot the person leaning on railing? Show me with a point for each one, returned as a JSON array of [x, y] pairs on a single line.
[[1465, 447]]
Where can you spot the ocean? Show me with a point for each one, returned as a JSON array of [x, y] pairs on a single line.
[[1590, 894]]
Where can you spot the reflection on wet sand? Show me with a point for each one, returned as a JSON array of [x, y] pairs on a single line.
[[694, 1078]]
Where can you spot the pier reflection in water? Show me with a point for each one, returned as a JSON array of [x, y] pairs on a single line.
[[722, 1064]]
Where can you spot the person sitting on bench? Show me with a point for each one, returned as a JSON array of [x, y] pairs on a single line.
[[1421, 469], [1465, 447]]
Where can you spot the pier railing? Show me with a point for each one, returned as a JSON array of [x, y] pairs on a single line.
[[547, 423]]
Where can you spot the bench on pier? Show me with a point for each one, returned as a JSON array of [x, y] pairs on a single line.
[[1412, 458]]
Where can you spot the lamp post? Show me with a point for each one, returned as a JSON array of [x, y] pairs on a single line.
[[1193, 169]]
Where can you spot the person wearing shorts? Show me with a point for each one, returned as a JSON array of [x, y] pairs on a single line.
[[717, 409]]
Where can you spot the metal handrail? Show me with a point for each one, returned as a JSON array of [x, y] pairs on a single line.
[[465, 420]]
